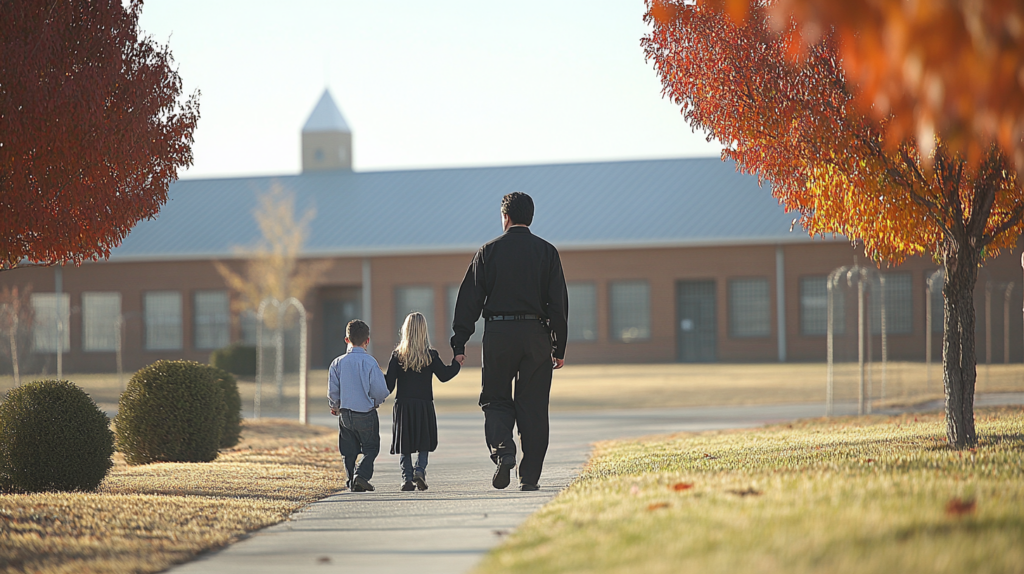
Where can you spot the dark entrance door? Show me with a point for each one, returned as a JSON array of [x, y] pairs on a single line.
[[340, 305], [696, 328]]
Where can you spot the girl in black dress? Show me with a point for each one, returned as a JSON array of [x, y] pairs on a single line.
[[412, 367]]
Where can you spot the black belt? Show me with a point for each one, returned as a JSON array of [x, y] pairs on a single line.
[[526, 317]]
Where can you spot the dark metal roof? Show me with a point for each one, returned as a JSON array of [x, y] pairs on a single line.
[[654, 203]]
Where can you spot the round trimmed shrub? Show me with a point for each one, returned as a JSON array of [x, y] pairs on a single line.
[[53, 437], [236, 358], [231, 431], [171, 411]]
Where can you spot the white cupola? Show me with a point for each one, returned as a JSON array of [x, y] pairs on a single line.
[[326, 138]]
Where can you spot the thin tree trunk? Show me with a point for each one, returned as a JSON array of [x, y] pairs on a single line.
[[959, 357], [14, 348]]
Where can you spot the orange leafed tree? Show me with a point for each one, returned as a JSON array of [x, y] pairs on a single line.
[[91, 128], [779, 100]]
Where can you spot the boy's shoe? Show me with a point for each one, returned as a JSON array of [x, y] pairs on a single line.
[[502, 471], [526, 486], [420, 480], [408, 485], [360, 484]]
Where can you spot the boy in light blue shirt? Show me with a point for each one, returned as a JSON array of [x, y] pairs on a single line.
[[355, 389]]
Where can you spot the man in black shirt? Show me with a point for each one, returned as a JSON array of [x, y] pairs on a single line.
[[516, 281]]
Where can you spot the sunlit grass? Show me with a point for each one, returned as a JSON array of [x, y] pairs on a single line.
[[578, 387], [853, 495], [146, 518]]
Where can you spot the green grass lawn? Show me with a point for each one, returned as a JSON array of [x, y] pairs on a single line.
[[861, 495]]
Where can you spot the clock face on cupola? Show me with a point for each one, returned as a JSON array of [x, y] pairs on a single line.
[[326, 138]]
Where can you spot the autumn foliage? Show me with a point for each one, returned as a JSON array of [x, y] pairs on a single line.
[[779, 98], [91, 128]]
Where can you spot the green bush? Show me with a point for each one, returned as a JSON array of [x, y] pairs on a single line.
[[172, 411], [53, 437], [237, 359], [231, 431]]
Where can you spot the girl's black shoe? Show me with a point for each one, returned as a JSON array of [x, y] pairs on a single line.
[[420, 480]]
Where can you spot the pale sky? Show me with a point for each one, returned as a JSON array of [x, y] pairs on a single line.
[[449, 83]]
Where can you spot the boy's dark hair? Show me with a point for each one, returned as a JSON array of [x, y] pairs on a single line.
[[518, 207], [357, 332]]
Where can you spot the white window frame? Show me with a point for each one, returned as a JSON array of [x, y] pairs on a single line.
[[624, 328], [45, 328], [211, 330], [163, 332], [101, 320], [582, 311]]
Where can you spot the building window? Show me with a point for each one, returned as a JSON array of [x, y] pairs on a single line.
[[630, 310], [413, 299], [582, 312], [163, 320], [749, 308], [478, 329], [247, 325], [898, 300], [101, 318], [46, 328], [212, 319], [814, 307]]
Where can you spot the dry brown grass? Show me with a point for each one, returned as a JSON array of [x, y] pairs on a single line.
[[146, 518]]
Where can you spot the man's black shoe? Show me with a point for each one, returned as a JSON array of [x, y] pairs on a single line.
[[408, 485], [502, 471], [420, 480], [360, 484], [526, 486]]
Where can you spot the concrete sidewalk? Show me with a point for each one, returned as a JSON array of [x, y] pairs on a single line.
[[449, 527]]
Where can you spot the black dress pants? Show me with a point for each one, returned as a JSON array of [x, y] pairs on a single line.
[[516, 388]]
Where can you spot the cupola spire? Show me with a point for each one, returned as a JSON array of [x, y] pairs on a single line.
[[326, 138]]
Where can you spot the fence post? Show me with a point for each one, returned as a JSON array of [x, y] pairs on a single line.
[[303, 361], [860, 344], [1006, 322], [259, 355], [988, 330]]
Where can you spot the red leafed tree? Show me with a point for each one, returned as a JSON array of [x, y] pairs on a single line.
[[91, 128], [952, 68], [781, 103]]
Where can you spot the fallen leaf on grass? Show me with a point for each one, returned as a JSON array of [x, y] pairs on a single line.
[[749, 491], [958, 507], [869, 460], [708, 456], [657, 505], [682, 486]]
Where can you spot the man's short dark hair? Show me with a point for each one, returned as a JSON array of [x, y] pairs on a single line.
[[357, 332], [518, 207]]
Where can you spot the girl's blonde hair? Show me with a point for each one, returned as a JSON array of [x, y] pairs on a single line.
[[414, 349]]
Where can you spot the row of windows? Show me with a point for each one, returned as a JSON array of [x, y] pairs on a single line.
[[629, 317], [897, 294], [162, 320], [630, 310], [749, 308]]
